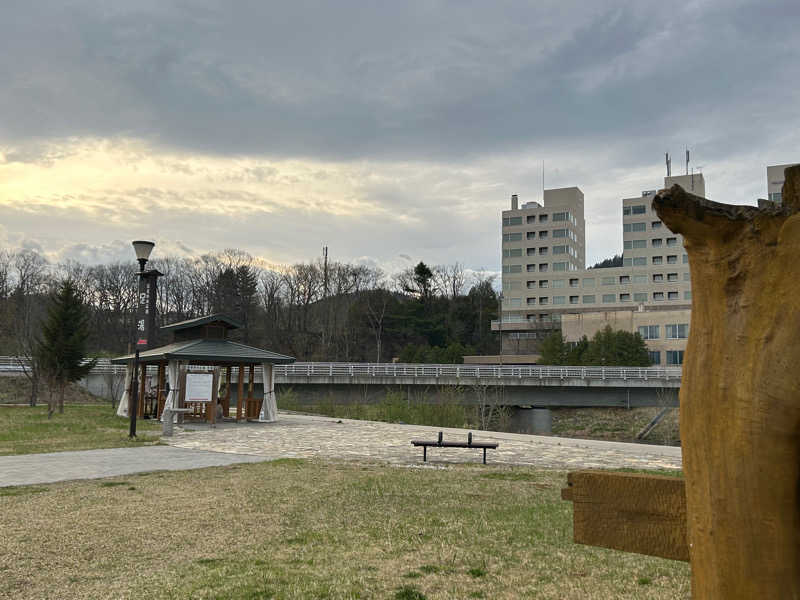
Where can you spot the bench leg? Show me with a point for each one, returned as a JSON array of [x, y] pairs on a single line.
[[424, 454], [484, 456]]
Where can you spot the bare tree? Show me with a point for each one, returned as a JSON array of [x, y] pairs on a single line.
[[450, 280]]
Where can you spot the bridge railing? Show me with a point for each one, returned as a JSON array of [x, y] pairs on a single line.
[[321, 370], [410, 370]]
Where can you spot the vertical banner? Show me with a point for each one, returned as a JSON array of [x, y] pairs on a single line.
[[143, 318]]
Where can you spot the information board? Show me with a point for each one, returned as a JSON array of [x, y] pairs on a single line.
[[199, 387]]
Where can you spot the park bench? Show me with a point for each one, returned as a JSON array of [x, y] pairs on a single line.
[[440, 443]]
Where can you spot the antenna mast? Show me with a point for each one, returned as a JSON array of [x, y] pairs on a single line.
[[669, 164]]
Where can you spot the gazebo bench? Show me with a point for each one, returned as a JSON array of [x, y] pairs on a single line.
[[440, 443]]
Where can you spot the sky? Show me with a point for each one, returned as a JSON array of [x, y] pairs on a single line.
[[391, 132]]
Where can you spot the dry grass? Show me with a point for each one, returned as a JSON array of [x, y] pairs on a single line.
[[26, 430], [298, 529], [616, 424]]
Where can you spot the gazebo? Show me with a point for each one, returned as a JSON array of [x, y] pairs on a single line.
[[200, 346]]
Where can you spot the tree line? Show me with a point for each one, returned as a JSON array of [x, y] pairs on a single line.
[[321, 311]]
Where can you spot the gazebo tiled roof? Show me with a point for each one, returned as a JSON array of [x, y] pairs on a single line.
[[209, 351]]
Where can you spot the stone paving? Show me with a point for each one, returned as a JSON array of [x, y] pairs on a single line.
[[30, 469], [302, 436]]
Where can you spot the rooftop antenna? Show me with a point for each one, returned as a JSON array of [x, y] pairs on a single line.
[[542, 182], [669, 164], [687, 161]]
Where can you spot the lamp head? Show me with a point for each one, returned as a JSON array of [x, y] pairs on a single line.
[[143, 250]]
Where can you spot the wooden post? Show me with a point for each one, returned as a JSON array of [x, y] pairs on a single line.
[[140, 404], [226, 406], [214, 393], [240, 394], [250, 398], [181, 392], [162, 372], [740, 393]]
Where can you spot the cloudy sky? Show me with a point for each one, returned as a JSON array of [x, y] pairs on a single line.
[[389, 131]]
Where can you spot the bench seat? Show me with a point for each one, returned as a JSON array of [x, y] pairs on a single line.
[[440, 443]]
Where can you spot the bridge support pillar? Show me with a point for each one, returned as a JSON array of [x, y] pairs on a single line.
[[532, 420]]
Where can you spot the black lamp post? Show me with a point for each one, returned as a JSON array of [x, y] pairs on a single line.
[[145, 320]]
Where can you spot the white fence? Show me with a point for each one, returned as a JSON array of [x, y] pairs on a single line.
[[363, 371]]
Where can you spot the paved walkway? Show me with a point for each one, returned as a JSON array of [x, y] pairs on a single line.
[[300, 436], [28, 469]]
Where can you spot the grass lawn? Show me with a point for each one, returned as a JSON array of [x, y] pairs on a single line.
[[313, 529], [25, 430]]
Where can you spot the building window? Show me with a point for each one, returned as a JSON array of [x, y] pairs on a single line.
[[531, 252], [543, 283], [531, 219], [655, 357], [512, 269], [638, 209], [531, 301], [510, 285], [656, 242], [511, 221], [639, 279], [588, 299], [655, 225], [559, 233], [609, 298], [559, 299], [672, 242], [516, 302], [626, 227], [559, 283], [624, 297], [638, 226], [672, 259], [649, 332], [624, 279], [687, 295], [531, 235], [542, 234], [639, 261], [573, 283], [626, 210], [512, 253], [776, 197], [672, 295], [678, 331], [626, 262], [657, 277], [658, 296], [607, 281], [543, 250], [530, 268], [639, 244], [588, 282], [640, 297], [559, 266], [627, 245], [559, 249], [573, 299], [686, 276], [560, 216], [674, 357], [542, 299], [512, 237], [657, 260], [672, 277], [542, 218], [542, 267], [685, 259]]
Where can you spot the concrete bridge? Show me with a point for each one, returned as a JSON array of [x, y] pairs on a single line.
[[532, 385]]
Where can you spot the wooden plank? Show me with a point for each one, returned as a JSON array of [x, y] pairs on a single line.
[[226, 406], [181, 392], [632, 512], [250, 393], [140, 407], [214, 390], [162, 372]]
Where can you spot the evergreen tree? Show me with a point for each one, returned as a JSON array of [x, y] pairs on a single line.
[[62, 347], [553, 349], [617, 348]]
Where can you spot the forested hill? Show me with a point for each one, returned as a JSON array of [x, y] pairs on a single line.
[[345, 313]]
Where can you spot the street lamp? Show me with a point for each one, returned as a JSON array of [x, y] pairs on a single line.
[[500, 326], [145, 320]]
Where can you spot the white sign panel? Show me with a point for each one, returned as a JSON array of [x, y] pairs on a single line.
[[199, 387]]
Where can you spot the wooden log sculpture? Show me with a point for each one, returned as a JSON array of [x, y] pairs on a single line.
[[740, 395]]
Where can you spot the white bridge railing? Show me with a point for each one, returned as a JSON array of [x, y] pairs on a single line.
[[363, 371]]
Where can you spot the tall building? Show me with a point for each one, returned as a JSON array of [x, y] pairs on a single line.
[[775, 179], [546, 285]]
